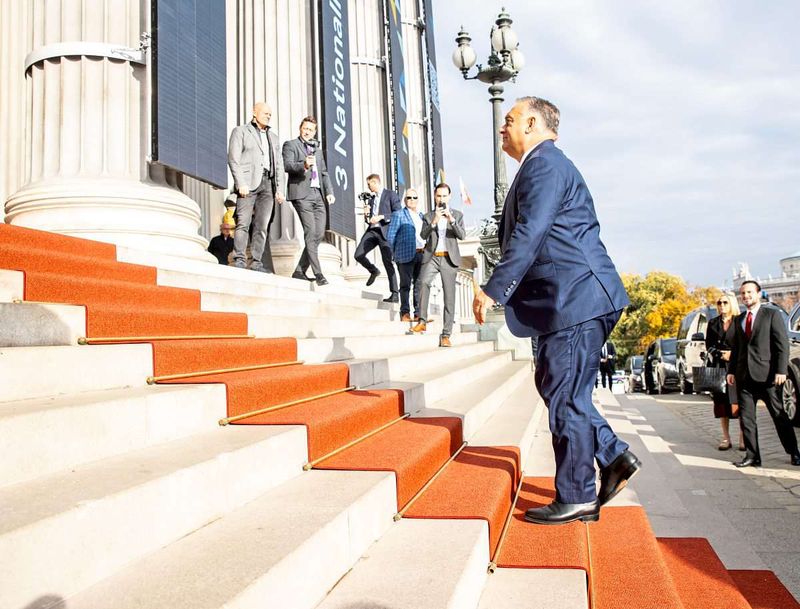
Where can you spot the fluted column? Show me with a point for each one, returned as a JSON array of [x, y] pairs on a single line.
[[87, 120]]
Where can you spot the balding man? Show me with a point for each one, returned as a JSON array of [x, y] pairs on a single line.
[[257, 167], [558, 283]]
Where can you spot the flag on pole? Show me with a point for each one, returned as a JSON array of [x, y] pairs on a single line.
[[465, 198]]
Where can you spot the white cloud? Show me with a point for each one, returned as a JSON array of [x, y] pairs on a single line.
[[684, 117]]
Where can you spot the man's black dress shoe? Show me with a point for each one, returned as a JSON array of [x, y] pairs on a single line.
[[393, 298], [796, 459], [373, 276], [299, 275], [748, 462], [562, 513], [321, 280], [615, 475]]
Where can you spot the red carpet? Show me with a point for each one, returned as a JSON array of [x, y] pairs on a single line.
[[628, 568], [763, 590], [479, 483], [699, 576]]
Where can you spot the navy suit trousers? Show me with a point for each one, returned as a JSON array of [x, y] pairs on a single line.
[[566, 368]]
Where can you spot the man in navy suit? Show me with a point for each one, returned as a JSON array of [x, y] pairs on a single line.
[[378, 215], [558, 283]]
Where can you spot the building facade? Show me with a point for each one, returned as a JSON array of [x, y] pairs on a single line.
[[783, 290], [78, 99]]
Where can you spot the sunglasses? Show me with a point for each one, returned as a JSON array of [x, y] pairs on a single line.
[[415, 198], [722, 302]]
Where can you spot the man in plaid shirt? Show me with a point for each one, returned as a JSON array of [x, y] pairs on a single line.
[[407, 245]]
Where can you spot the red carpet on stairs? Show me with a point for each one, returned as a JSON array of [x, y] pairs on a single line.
[[479, 483], [699, 575], [180, 356], [763, 590]]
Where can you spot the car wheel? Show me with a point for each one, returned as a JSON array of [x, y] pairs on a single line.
[[791, 399]]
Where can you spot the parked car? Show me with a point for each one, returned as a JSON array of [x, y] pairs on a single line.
[[690, 348], [660, 373], [791, 388], [634, 374]]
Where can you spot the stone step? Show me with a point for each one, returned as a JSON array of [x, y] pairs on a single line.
[[68, 531], [424, 564], [367, 372], [37, 372], [28, 324], [424, 388], [285, 550], [336, 349], [46, 435], [267, 326], [12, 285], [535, 589], [292, 307]]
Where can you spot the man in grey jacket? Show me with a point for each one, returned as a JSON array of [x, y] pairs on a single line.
[[309, 189], [259, 181]]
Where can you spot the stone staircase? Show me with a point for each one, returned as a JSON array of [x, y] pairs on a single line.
[[118, 493]]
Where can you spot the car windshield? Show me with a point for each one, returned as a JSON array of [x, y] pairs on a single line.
[[637, 361], [668, 346]]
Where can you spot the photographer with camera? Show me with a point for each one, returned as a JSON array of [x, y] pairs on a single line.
[[309, 190], [441, 229], [379, 205]]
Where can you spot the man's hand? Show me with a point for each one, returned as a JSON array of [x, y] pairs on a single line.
[[726, 356], [331, 199], [735, 410], [243, 192], [376, 219], [780, 379], [450, 217], [731, 379], [279, 197], [310, 161], [480, 304]]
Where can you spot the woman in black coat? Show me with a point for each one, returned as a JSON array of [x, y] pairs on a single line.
[[719, 339]]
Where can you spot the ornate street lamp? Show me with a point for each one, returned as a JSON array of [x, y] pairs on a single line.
[[504, 63]]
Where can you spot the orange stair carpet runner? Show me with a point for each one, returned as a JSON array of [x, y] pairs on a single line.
[[627, 567]]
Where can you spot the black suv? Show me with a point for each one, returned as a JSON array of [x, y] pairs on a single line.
[[660, 373], [791, 388]]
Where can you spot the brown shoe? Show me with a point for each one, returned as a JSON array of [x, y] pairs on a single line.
[[406, 317], [444, 341], [419, 328]]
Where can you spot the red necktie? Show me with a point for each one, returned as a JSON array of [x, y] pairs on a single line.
[[748, 325]]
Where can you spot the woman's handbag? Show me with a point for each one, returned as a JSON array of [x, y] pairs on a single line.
[[707, 378]]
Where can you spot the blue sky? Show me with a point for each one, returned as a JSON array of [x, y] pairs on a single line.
[[684, 118]]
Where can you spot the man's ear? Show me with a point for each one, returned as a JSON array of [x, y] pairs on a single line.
[[531, 123]]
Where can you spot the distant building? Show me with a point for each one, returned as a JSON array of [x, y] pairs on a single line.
[[783, 290]]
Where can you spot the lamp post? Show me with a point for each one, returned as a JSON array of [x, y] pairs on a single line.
[[504, 63]]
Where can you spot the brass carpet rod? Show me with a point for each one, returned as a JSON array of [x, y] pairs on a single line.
[[146, 339], [253, 413], [493, 565], [311, 464], [152, 380], [402, 512]]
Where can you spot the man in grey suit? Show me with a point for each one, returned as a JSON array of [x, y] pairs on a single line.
[[309, 188], [441, 228], [259, 181]]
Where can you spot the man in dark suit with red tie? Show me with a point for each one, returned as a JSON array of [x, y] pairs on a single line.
[[758, 364], [558, 283]]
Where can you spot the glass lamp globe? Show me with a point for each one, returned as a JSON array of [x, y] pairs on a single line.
[[504, 39], [464, 57], [517, 60]]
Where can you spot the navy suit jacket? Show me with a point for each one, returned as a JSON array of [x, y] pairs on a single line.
[[389, 203], [554, 272]]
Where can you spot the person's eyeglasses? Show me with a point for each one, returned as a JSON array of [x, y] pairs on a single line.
[[722, 302], [415, 198]]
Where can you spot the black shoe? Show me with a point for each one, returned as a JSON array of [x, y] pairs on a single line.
[[748, 462], [796, 459], [562, 513], [301, 275], [321, 280], [615, 475], [392, 298], [373, 276]]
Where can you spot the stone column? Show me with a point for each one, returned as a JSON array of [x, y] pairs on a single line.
[[87, 123]]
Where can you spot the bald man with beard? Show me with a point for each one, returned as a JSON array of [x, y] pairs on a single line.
[[259, 181]]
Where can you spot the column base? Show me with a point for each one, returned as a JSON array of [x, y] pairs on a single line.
[[130, 213]]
